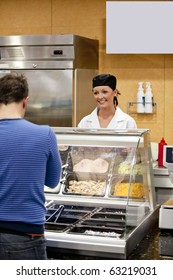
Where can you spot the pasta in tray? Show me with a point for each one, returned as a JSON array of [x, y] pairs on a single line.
[[88, 187]]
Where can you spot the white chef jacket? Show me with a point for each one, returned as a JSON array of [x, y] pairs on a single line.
[[120, 120]]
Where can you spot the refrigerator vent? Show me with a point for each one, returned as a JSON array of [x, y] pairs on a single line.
[[15, 52]]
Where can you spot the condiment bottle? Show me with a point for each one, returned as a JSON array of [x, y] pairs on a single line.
[[148, 98], [160, 152], [140, 98]]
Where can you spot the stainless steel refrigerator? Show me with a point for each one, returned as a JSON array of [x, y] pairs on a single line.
[[59, 69]]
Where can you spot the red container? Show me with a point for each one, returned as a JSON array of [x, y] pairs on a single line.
[[160, 152]]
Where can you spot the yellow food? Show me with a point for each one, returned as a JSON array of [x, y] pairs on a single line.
[[135, 190]]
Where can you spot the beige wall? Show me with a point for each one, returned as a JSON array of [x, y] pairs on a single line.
[[88, 18]]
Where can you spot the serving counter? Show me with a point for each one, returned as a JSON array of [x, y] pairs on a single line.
[[162, 183], [105, 202], [156, 245]]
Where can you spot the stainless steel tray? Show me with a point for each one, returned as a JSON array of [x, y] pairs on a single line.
[[91, 184], [97, 231]]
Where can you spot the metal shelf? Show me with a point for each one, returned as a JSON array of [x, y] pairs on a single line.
[[132, 109]]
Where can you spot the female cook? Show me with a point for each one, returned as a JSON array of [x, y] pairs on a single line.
[[107, 114]]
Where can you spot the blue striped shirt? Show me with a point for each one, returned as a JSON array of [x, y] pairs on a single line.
[[29, 159]]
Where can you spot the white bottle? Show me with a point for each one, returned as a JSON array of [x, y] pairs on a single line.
[[140, 99], [148, 98]]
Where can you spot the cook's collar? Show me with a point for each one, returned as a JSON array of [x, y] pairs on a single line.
[[119, 115]]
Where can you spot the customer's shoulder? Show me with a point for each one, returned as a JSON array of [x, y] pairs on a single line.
[[37, 128]]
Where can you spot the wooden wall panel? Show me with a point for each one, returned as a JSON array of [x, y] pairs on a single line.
[[168, 109], [25, 17]]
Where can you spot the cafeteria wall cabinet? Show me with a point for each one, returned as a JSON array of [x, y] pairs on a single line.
[[105, 202]]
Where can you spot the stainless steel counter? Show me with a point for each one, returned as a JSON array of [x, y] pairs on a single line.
[[162, 184], [109, 222], [156, 245]]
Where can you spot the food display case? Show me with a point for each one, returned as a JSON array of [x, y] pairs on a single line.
[[105, 202]]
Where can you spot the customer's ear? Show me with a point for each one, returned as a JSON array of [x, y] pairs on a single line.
[[25, 101]]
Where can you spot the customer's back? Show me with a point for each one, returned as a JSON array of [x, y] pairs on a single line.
[[25, 156], [29, 159]]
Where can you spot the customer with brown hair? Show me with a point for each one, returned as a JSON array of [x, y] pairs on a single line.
[[29, 158]]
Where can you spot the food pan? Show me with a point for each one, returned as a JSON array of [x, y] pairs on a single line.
[[72, 207], [113, 210], [84, 185], [56, 227], [126, 168], [120, 186], [117, 225], [67, 220], [97, 231], [72, 214], [109, 217], [79, 208]]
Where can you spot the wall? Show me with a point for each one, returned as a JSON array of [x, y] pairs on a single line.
[[88, 18]]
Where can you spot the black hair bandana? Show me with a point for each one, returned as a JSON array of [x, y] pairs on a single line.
[[105, 80]]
